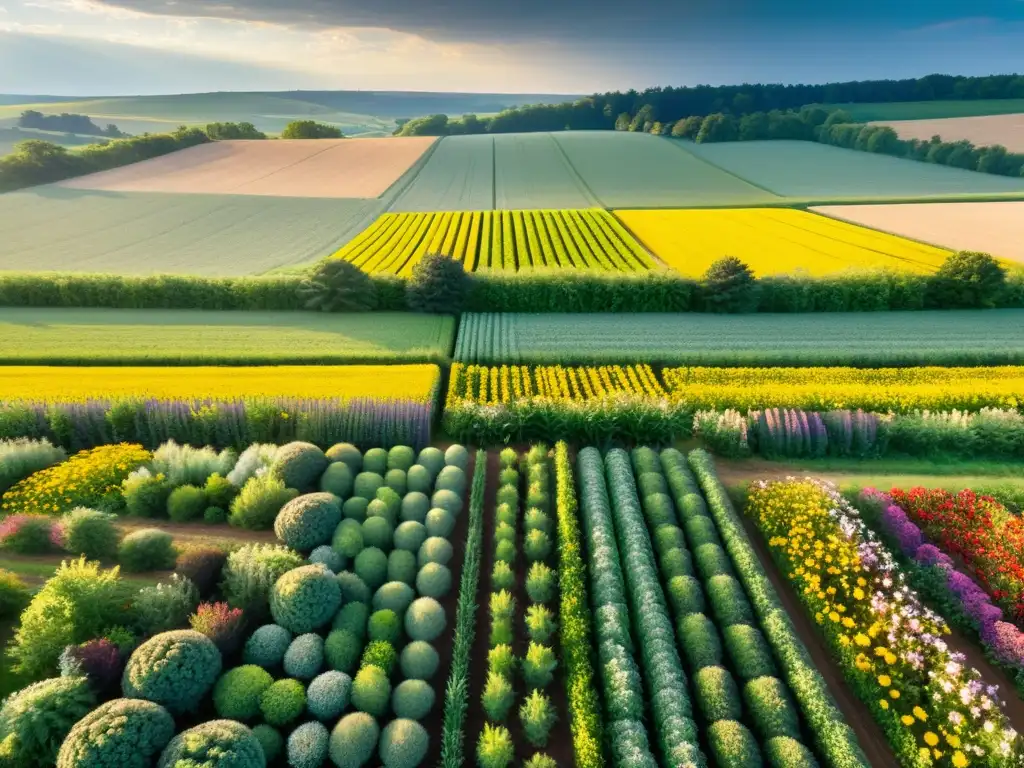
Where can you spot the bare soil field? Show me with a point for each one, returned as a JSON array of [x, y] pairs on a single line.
[[982, 131], [325, 168], [996, 228]]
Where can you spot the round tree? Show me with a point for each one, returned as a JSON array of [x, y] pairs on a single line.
[[214, 744], [299, 465], [124, 733], [439, 285], [308, 521], [305, 599], [174, 669]]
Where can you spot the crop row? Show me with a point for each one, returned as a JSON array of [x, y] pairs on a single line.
[[511, 241]]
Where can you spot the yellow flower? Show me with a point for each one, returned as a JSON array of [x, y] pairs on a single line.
[[894, 693], [953, 740], [921, 715], [930, 739], [883, 704], [959, 759], [890, 658], [884, 680], [907, 720]]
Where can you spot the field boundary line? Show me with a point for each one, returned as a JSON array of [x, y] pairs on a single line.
[[677, 143], [584, 187], [398, 187]]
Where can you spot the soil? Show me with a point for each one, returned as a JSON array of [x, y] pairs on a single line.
[[183, 532]]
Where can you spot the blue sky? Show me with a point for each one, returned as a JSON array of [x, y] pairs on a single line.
[[100, 47]]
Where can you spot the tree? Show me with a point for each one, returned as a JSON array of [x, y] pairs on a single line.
[[753, 127], [310, 129], [883, 140], [622, 122], [967, 279], [338, 286], [439, 285], [717, 127], [688, 128], [729, 286], [233, 132]]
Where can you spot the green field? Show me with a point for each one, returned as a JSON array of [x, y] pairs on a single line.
[[986, 337], [805, 170], [929, 110], [532, 171], [179, 336], [458, 176], [65, 230]]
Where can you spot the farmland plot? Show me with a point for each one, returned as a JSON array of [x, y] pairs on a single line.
[[531, 171], [151, 233], [982, 131], [458, 176]]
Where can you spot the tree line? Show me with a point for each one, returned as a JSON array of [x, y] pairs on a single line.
[[67, 123]]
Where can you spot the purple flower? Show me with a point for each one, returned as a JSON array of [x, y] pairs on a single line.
[[929, 554], [899, 526], [1005, 641]]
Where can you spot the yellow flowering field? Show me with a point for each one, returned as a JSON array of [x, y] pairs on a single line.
[[344, 382], [933, 707], [774, 241], [822, 389], [83, 480]]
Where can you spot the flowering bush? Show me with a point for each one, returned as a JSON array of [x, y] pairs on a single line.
[[175, 669], [221, 623], [91, 478], [100, 662], [123, 733], [29, 534]]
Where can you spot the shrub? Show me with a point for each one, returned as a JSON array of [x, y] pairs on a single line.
[[650, 483], [508, 476], [540, 623], [410, 536], [375, 460], [502, 606], [403, 744], [335, 285], [503, 577], [541, 583], [454, 479], [716, 694], [536, 520], [123, 733], [14, 594], [253, 459], [692, 505], [371, 565], [338, 480], [747, 648], [308, 521], [539, 665], [146, 494], [506, 514], [784, 752], [35, 720], [505, 552], [729, 285], [355, 509], [257, 504], [392, 501], [495, 748], [267, 646], [395, 480], [500, 659], [967, 280], [304, 657], [497, 697], [149, 549], [537, 546], [186, 503], [395, 596], [23, 456], [434, 581], [89, 532], [328, 557], [353, 589], [214, 744], [456, 456], [419, 661], [439, 522], [658, 510], [729, 602], [685, 595], [733, 745], [379, 653], [236, 696], [250, 574], [307, 746], [439, 285], [283, 702], [701, 530], [384, 625], [501, 631], [367, 484], [202, 566], [402, 566], [29, 534], [432, 460], [342, 649], [508, 495], [174, 669], [345, 453], [165, 606], [353, 617], [353, 740], [348, 538], [435, 550], [220, 491], [412, 699], [100, 662], [305, 598], [401, 457], [666, 538], [371, 691], [299, 465], [711, 560], [327, 696], [77, 604], [699, 641], [377, 533], [505, 532], [676, 562], [540, 760], [271, 741], [771, 708], [537, 715], [414, 508], [449, 501]]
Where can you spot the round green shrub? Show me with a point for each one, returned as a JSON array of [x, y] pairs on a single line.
[[649, 483], [699, 640], [784, 752], [506, 514], [751, 657], [283, 702], [395, 479], [123, 733], [305, 599], [494, 747], [505, 532], [371, 691], [342, 649], [147, 550], [215, 515], [431, 459], [505, 552], [328, 557], [299, 465], [379, 653], [685, 595], [536, 520], [415, 506], [508, 496], [90, 532], [454, 479], [540, 623], [402, 566], [271, 741], [353, 589], [729, 602], [440, 522], [347, 454], [701, 530], [267, 646], [219, 491], [541, 583], [214, 744], [425, 619], [711, 560], [716, 694], [392, 500], [375, 460], [257, 504], [173, 669], [305, 657], [645, 460], [337, 479], [377, 533], [327, 696], [308, 521], [502, 661], [659, 510], [186, 503], [418, 479], [692, 505], [307, 746], [236, 696], [447, 500], [508, 476], [412, 699], [371, 565], [537, 546], [668, 537], [456, 456], [498, 697], [502, 577], [367, 483], [348, 538], [540, 760], [733, 745], [419, 660], [434, 581], [353, 617], [403, 744], [676, 562], [435, 550], [355, 508], [410, 536], [384, 625], [771, 708], [35, 720], [395, 596], [354, 740]]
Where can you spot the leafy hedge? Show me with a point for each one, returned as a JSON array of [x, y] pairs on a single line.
[[456, 699]]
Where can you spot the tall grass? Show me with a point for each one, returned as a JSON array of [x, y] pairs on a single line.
[[22, 456]]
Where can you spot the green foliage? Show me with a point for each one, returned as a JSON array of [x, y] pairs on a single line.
[[410, 536], [283, 702], [505, 552], [541, 583], [412, 699], [402, 566], [14, 594], [537, 546], [348, 537], [498, 696], [425, 619], [440, 522], [353, 588], [267, 646], [165, 606], [716, 694], [711, 561], [395, 480], [453, 478], [751, 657], [355, 509], [501, 660], [449, 501], [307, 746], [728, 601], [392, 500], [256, 506], [123, 733], [28, 534], [685, 596], [439, 285], [540, 623], [676, 562], [419, 479], [342, 649], [495, 748], [186, 503], [328, 694], [502, 631], [23, 456], [371, 691], [419, 660], [967, 280], [504, 513], [270, 740], [435, 550], [249, 576], [147, 550], [378, 533], [90, 533], [219, 491], [328, 557], [385, 625], [503, 577], [35, 720], [214, 744], [415, 508], [540, 760], [539, 665], [337, 285], [537, 715], [729, 285], [784, 752], [395, 597], [299, 465], [353, 617], [699, 640], [337, 479], [434, 581], [236, 696], [771, 708], [304, 657], [145, 495], [173, 669], [305, 598], [308, 521], [505, 532], [403, 744], [733, 745], [353, 740], [310, 129], [375, 460], [371, 565], [347, 454]]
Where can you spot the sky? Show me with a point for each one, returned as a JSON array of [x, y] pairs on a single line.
[[119, 47]]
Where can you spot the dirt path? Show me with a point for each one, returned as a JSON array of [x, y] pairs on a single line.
[[196, 533]]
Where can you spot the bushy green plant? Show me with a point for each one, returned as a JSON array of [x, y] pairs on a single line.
[[353, 617], [187, 465], [173, 669], [535, 520], [784, 752], [729, 285], [385, 625], [711, 560], [505, 552], [508, 495], [771, 708], [342, 649], [495, 748], [540, 760], [28, 534], [402, 566], [541, 583], [335, 285], [749, 652], [403, 744], [214, 744], [327, 696], [353, 589], [305, 598], [701, 530], [371, 565], [729, 602], [425, 619], [220, 491], [502, 660], [419, 660], [236, 695], [257, 504], [667, 538], [338, 480], [676, 562], [410, 536], [395, 597], [307, 746], [733, 745], [537, 546], [392, 501], [434, 581], [537, 715], [345, 453], [149, 549], [435, 550], [123, 733], [415, 507], [456, 456], [377, 531], [250, 573], [540, 623], [283, 702], [453, 479], [186, 502], [328, 557], [539, 665], [699, 641], [299, 465], [503, 577], [506, 514], [371, 691], [502, 631], [375, 460], [89, 532], [505, 532], [439, 522], [308, 521], [367, 483], [659, 511], [14, 594], [508, 476], [967, 280], [685, 596], [202, 566], [270, 739], [304, 657], [23, 456], [716, 694], [379, 653], [165, 606], [412, 699], [439, 285], [348, 538], [502, 606], [267, 646], [35, 720], [353, 740], [215, 515], [395, 480], [355, 508], [498, 697], [449, 501]]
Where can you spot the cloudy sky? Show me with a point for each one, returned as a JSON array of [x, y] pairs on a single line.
[[101, 47]]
